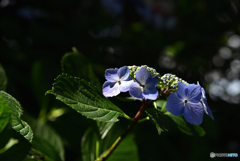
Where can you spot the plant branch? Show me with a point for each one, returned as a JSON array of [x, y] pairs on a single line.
[[120, 138]]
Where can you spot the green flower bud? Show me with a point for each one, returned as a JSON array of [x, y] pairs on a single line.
[[169, 81], [133, 69]]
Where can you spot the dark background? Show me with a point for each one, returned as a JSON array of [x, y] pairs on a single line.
[[196, 40]]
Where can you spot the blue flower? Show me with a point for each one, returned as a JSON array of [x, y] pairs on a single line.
[[187, 101], [145, 87], [118, 80], [205, 105]]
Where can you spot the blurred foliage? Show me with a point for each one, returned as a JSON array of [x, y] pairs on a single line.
[[181, 37]]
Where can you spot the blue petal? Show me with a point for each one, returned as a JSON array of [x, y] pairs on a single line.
[[151, 83], [111, 75], [207, 109], [194, 93], [181, 90], [205, 105], [193, 113], [136, 91], [150, 94], [110, 89], [123, 73], [175, 104], [125, 85], [142, 75]]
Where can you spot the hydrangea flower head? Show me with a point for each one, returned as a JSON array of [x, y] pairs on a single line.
[[187, 101], [118, 80], [145, 85]]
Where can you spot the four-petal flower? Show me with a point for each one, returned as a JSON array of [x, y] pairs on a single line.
[[187, 101], [145, 87], [118, 80]]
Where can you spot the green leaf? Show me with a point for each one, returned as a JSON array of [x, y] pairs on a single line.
[[76, 64], [46, 143], [18, 150], [16, 110], [104, 128], [127, 149], [161, 104], [10, 143], [3, 79], [185, 127], [85, 99], [5, 114], [5, 125], [88, 145], [156, 116]]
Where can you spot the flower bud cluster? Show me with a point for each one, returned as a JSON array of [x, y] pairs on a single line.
[[133, 69], [169, 81]]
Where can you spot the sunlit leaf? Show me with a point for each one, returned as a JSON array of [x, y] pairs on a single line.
[[16, 111], [84, 98]]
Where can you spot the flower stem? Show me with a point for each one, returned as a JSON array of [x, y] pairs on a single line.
[[143, 119], [124, 134], [97, 148]]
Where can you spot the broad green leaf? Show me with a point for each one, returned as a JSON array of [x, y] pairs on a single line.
[[5, 114], [100, 128], [5, 125], [185, 127], [85, 99], [75, 124], [126, 150], [18, 150], [88, 145], [3, 79], [156, 116], [16, 111], [104, 128], [76, 64], [161, 104], [46, 143]]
